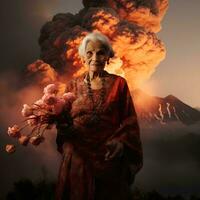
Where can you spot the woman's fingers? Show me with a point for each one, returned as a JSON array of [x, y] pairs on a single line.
[[107, 155], [114, 149], [114, 153]]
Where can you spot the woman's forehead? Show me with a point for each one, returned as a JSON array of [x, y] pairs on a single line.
[[95, 45]]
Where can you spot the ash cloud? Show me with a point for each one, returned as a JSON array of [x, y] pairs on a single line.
[[145, 13], [130, 26]]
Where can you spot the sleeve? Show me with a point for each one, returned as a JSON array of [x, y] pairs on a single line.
[[129, 132], [65, 123]]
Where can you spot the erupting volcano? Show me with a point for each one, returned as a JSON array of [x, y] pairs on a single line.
[[131, 27]]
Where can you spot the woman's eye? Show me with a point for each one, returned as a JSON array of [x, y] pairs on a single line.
[[89, 53], [101, 52]]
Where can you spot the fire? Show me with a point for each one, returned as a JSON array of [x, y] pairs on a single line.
[[103, 20], [72, 54]]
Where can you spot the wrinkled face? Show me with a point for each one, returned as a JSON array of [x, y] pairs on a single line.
[[96, 56]]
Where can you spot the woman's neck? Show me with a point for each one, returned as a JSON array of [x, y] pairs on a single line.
[[96, 74]]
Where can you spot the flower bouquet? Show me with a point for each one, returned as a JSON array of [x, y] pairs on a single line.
[[42, 115]]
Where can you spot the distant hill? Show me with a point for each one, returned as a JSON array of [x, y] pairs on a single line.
[[170, 108]]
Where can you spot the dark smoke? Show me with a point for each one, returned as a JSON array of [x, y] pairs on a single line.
[[131, 23]]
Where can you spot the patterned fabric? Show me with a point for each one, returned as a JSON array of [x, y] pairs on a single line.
[[84, 174]]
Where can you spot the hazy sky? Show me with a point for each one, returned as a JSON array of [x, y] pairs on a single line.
[[178, 74]]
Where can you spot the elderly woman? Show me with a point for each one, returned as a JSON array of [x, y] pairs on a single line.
[[101, 149]]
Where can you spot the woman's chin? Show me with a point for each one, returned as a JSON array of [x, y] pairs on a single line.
[[95, 68]]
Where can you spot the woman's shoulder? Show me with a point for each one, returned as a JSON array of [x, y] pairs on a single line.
[[74, 81], [116, 77]]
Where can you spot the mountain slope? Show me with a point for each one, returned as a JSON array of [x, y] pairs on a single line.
[[152, 108]]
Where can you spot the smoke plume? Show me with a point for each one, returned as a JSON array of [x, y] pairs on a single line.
[[131, 27]]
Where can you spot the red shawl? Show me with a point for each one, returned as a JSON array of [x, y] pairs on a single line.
[[84, 174]]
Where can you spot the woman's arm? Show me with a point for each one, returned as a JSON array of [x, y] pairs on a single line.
[[129, 133], [64, 125]]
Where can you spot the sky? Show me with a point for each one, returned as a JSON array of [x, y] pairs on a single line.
[[178, 74]]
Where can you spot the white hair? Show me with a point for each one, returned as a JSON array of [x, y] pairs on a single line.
[[95, 36]]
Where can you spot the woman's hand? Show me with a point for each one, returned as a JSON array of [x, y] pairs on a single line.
[[114, 149]]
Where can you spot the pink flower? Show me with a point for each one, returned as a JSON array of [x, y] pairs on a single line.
[[51, 89], [69, 96], [49, 99], [27, 110], [32, 120], [36, 140], [10, 148], [49, 108], [23, 140], [46, 119], [14, 131], [38, 104], [69, 99], [59, 106]]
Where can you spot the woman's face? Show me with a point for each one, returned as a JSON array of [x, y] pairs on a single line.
[[95, 56]]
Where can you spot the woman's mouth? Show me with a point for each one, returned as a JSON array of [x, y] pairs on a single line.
[[95, 64]]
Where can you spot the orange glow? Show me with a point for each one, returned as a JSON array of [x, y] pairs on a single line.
[[144, 102], [138, 51], [47, 73], [72, 54], [106, 22], [150, 87], [115, 67]]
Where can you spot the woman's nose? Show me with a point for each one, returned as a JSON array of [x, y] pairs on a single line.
[[94, 56]]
